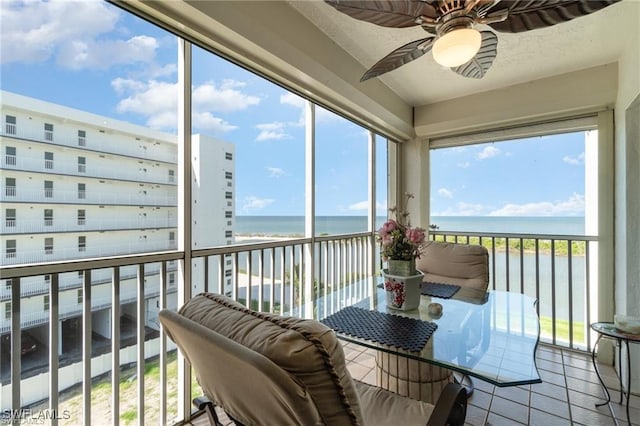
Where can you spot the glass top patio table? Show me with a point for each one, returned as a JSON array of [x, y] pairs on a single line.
[[489, 335]]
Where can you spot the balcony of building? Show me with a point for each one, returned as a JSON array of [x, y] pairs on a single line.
[[97, 378]]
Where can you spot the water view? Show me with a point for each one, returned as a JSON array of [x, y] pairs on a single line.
[[294, 225]]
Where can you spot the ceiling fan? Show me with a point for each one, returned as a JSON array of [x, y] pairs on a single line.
[[455, 42]]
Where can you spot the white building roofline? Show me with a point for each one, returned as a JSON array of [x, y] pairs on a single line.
[[44, 108]]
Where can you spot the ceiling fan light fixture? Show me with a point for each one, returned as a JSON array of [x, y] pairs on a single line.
[[457, 47]]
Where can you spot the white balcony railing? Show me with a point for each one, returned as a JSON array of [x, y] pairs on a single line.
[[92, 197], [10, 129], [554, 269], [70, 224], [97, 142], [272, 277], [53, 254], [97, 169], [268, 275]]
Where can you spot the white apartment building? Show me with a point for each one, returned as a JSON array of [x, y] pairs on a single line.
[[79, 185]]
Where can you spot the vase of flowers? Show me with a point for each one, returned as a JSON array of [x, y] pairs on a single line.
[[403, 292], [400, 246]]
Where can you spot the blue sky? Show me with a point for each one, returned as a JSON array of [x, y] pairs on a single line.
[[92, 56], [541, 176]]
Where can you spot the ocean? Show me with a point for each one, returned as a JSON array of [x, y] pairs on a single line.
[[294, 225]]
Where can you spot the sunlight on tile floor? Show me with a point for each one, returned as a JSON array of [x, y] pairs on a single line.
[[567, 395]]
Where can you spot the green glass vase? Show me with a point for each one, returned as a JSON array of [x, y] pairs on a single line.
[[405, 268]]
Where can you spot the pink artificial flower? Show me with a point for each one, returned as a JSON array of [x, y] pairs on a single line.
[[387, 227], [415, 235]]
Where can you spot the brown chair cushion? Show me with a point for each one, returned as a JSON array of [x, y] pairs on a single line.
[[307, 349], [451, 263]]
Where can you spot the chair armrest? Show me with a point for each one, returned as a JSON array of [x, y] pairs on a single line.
[[451, 407], [204, 405]]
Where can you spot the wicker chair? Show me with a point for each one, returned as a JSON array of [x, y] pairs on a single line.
[[269, 369]]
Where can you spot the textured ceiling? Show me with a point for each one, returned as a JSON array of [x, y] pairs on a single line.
[[584, 42]]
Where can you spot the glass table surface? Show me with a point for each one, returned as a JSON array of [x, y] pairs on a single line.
[[489, 335]]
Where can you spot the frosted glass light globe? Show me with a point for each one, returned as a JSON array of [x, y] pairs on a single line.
[[457, 47]]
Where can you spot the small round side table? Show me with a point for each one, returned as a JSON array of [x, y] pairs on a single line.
[[608, 329]]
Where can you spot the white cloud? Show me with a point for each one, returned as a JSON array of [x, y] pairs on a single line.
[[79, 54], [487, 152], [254, 203], [573, 206], [206, 121], [292, 99], [364, 205], [157, 100], [444, 192], [37, 31], [463, 209], [464, 165], [275, 172], [124, 85], [268, 131], [579, 159], [225, 98], [148, 98], [163, 120]]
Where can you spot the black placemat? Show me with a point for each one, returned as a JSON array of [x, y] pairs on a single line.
[[444, 291], [388, 329]]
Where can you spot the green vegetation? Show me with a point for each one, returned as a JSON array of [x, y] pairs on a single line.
[[562, 329], [527, 245], [129, 416]]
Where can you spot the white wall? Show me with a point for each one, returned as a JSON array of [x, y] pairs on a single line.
[[627, 155]]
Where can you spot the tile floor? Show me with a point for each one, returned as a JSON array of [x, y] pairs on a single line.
[[567, 395]]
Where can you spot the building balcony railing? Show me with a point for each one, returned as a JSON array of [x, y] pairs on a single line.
[[136, 172], [33, 226], [95, 143], [309, 277], [53, 254], [10, 194], [40, 285], [72, 310]]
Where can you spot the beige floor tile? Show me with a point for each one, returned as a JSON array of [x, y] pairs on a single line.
[[541, 418], [476, 416], [581, 374], [480, 399], [589, 418], [550, 390], [552, 366], [567, 395], [509, 409], [513, 394], [496, 420], [550, 405], [550, 377]]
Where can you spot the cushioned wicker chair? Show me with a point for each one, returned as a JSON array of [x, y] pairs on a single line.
[[264, 369], [452, 263], [447, 263]]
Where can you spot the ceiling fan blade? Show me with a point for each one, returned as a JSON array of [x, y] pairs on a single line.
[[387, 13], [399, 57], [525, 15], [480, 64]]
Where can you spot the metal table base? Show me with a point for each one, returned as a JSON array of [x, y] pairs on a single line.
[[607, 329]]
